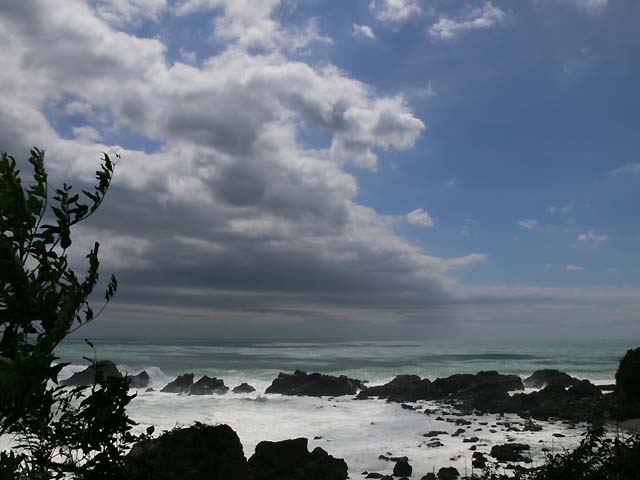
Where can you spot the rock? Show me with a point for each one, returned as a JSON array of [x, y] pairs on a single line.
[[435, 444], [199, 452], [208, 386], [584, 389], [509, 452], [609, 387], [314, 385], [244, 388], [478, 460], [374, 475], [149, 390], [434, 433], [462, 385], [628, 376], [180, 385], [531, 426], [429, 476], [403, 388], [139, 381], [291, 460], [87, 377], [448, 473], [471, 440], [402, 469], [558, 435], [542, 378]]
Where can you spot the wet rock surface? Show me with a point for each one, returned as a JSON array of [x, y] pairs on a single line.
[[208, 386], [244, 388], [199, 452], [314, 385], [181, 384], [291, 460], [545, 377], [87, 377]]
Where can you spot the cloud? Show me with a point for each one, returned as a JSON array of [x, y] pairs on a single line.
[[573, 268], [127, 12], [250, 23], [225, 197], [590, 6], [592, 238], [395, 11], [363, 31], [628, 169], [420, 218], [560, 208], [529, 224], [477, 18]]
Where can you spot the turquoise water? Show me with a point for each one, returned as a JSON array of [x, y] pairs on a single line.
[[374, 361]]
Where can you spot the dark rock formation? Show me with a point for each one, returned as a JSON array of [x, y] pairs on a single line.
[[543, 378], [199, 452], [208, 386], [478, 460], [244, 388], [403, 388], [87, 376], [291, 460], [461, 385], [434, 433], [628, 376], [402, 469], [410, 388], [180, 385], [139, 381], [448, 473], [314, 385], [429, 476], [510, 452], [584, 389]]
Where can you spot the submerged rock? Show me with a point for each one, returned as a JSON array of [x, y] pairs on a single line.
[[139, 381], [199, 452], [542, 378], [244, 388], [180, 385], [291, 460], [87, 377], [208, 386], [314, 385]]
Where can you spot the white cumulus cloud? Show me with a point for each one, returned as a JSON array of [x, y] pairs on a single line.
[[483, 17], [395, 11], [363, 31], [420, 218]]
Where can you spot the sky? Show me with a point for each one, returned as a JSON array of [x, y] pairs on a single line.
[[343, 170]]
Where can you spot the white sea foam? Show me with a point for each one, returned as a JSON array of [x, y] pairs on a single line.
[[356, 430]]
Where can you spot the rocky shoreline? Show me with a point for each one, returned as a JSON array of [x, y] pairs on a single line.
[[469, 406]]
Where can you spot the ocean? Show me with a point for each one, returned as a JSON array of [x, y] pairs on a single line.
[[358, 431]]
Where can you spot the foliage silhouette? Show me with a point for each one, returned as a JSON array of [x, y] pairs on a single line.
[[59, 432]]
